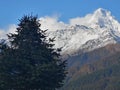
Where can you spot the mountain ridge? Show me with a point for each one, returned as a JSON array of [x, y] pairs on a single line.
[[93, 31]]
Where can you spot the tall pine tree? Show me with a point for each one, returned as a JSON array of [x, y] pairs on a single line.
[[30, 62]]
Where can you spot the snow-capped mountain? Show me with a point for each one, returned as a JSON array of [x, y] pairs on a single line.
[[84, 34]]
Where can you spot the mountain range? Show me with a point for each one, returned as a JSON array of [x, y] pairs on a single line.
[[85, 34], [91, 46]]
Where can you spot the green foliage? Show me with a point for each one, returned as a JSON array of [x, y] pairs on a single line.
[[30, 62]]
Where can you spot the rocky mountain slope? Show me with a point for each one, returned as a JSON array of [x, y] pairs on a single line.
[[95, 70]]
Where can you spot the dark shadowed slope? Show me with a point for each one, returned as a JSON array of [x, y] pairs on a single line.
[[99, 70]]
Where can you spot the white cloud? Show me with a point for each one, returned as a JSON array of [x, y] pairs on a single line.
[[2, 34], [81, 20], [10, 29], [52, 23], [49, 22]]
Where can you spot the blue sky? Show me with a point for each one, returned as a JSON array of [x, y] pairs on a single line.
[[12, 10]]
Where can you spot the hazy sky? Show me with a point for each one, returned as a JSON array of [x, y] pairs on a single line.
[[12, 10]]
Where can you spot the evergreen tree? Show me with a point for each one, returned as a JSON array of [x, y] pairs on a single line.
[[30, 62]]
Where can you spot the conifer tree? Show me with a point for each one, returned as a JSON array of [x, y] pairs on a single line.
[[30, 62]]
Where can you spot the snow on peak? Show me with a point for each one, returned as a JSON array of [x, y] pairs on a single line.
[[98, 19], [101, 18], [87, 33], [102, 12]]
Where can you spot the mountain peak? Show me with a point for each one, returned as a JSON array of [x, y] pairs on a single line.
[[102, 12], [101, 18]]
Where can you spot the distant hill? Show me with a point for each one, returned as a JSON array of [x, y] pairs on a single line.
[[83, 60], [104, 79], [101, 73]]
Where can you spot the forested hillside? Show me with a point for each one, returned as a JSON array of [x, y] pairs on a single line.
[[100, 74]]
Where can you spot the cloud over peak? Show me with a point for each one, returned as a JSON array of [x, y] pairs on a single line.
[[52, 23]]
